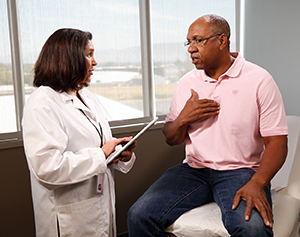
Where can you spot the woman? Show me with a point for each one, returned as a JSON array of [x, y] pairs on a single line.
[[67, 140]]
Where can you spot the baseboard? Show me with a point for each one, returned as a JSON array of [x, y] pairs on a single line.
[[123, 235]]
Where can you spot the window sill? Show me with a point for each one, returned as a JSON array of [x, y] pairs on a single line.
[[14, 143], [11, 144], [135, 128]]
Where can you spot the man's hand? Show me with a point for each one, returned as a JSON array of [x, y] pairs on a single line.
[[255, 196], [198, 110], [193, 111], [254, 191]]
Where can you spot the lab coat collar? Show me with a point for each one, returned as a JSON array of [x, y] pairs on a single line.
[[69, 97]]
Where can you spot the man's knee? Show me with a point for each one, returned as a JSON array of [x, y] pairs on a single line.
[[254, 227], [135, 213]]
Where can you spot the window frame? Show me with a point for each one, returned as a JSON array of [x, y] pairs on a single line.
[[8, 140], [14, 139]]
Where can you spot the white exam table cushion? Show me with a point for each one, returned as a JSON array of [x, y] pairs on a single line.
[[201, 221]]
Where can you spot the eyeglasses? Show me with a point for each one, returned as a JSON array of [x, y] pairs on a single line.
[[197, 41]]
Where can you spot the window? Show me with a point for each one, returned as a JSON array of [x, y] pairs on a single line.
[[115, 28], [7, 100], [170, 23], [138, 47]]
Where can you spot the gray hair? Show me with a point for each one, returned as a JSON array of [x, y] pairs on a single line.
[[219, 25]]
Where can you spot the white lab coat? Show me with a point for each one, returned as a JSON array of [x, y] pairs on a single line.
[[65, 159]]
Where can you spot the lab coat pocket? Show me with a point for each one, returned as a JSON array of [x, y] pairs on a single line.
[[81, 218]]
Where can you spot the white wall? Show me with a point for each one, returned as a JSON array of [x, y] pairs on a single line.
[[272, 40]]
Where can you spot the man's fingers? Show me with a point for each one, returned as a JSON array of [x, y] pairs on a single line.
[[249, 206], [266, 218], [266, 213], [193, 95], [264, 210], [236, 201]]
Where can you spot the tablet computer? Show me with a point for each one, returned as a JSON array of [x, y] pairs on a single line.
[[117, 153]]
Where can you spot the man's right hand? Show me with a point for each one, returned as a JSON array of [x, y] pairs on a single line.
[[195, 110]]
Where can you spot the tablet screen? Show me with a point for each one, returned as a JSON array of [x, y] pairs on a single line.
[[128, 144]]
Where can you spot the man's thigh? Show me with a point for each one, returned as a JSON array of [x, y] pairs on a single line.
[[181, 188], [225, 185]]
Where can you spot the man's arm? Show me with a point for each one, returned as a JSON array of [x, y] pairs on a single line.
[[175, 132], [193, 111], [254, 191]]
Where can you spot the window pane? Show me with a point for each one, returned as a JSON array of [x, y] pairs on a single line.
[[7, 100], [115, 28], [170, 22]]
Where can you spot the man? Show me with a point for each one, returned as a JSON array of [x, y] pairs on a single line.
[[231, 115]]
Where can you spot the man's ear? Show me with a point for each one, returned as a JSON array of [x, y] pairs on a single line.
[[223, 41]]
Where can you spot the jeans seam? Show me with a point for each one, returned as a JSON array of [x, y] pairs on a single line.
[[179, 200], [221, 201]]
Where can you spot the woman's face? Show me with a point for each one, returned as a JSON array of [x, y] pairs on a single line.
[[90, 61]]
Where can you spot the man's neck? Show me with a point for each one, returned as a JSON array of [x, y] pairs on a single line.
[[216, 73]]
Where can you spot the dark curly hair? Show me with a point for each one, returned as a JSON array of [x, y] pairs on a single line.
[[61, 64]]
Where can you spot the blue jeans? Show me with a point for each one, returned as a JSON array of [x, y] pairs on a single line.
[[182, 188]]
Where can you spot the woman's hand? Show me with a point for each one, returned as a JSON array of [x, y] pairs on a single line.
[[127, 154], [110, 146]]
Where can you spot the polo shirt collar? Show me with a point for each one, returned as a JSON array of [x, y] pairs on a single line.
[[232, 72], [236, 67]]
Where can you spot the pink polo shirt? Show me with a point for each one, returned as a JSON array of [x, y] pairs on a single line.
[[251, 107]]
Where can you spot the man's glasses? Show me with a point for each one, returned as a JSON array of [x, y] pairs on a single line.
[[197, 41]]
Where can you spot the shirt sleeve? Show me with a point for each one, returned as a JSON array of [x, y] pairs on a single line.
[[125, 167], [174, 109], [272, 112]]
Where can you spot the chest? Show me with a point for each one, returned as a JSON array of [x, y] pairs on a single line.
[[83, 127]]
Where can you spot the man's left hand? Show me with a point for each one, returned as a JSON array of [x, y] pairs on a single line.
[[255, 196]]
